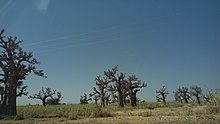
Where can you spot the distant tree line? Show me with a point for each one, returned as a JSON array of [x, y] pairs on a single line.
[[116, 87], [182, 94], [48, 96]]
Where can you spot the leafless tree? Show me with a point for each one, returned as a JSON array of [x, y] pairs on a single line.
[[84, 99], [101, 92], [54, 100], [178, 97], [161, 94], [133, 85], [115, 84], [15, 65], [119, 81], [96, 99], [183, 93], [197, 92], [43, 94]]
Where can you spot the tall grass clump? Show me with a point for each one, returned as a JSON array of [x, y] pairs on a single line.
[[214, 102], [38, 111], [101, 112], [214, 97]]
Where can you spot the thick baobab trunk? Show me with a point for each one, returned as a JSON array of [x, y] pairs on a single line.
[[102, 101], [3, 107], [164, 100], [186, 101], [11, 107], [8, 106], [198, 100], [11, 102], [44, 102], [120, 100], [133, 100]]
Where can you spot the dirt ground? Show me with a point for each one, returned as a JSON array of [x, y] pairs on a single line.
[[206, 119]]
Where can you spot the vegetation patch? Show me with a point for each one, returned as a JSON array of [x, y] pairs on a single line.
[[212, 109], [17, 117], [145, 114], [99, 113]]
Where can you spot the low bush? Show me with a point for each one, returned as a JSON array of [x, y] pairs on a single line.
[[214, 102], [212, 109], [72, 116], [214, 97], [145, 114], [100, 112]]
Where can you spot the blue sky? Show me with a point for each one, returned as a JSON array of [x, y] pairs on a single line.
[[172, 43]]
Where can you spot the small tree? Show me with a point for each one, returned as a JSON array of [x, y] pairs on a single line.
[[101, 92], [184, 94], [43, 94], [84, 99], [96, 98], [133, 85], [197, 92], [161, 94], [55, 100], [178, 97]]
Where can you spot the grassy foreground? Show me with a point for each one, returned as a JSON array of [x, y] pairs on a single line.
[[153, 113]]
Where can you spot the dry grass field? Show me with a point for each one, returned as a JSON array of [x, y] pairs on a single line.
[[145, 113]]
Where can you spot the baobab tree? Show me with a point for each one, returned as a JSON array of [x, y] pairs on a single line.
[[15, 65], [119, 83], [133, 85], [113, 94], [54, 100], [96, 98], [161, 94], [184, 94], [123, 87], [101, 92], [43, 94], [84, 99], [177, 97], [197, 92]]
